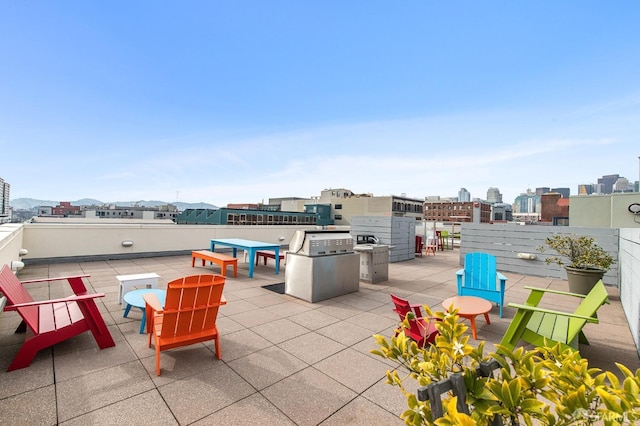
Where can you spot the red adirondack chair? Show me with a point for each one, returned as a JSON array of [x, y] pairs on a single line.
[[419, 245], [52, 321], [422, 330]]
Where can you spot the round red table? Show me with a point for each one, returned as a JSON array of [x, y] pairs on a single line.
[[468, 307]]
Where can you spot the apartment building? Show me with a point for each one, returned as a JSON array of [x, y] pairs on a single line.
[[345, 204], [4, 201], [445, 211]]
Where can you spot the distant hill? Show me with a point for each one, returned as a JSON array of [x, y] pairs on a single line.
[[31, 203]]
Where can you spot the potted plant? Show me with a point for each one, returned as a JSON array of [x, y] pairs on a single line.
[[547, 385], [583, 259]]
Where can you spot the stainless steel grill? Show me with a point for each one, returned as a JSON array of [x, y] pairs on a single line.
[[321, 265], [321, 243]]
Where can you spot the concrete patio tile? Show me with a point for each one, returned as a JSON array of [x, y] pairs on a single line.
[[353, 369], [345, 332], [313, 319], [143, 409], [10, 321], [138, 342], [309, 396], [36, 375], [178, 363], [287, 308], [230, 296], [420, 298], [237, 307], [87, 341], [266, 367], [253, 410], [367, 345], [248, 292], [358, 301], [69, 365], [196, 397], [362, 412], [254, 318], [226, 325], [89, 392], [390, 397], [241, 343], [34, 407], [280, 330], [339, 310], [312, 347], [373, 322], [265, 300]]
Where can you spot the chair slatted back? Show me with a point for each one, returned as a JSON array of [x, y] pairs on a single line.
[[192, 305], [589, 306], [480, 271], [15, 293], [402, 306]]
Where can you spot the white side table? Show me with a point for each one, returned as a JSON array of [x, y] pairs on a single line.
[[127, 282]]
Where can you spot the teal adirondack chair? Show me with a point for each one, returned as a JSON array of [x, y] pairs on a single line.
[[533, 324], [479, 278]]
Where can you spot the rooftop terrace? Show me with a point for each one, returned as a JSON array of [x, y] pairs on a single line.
[[284, 361]]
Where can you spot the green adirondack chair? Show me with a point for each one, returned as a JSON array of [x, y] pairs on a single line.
[[533, 324]]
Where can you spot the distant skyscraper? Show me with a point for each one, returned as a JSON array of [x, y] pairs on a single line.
[[527, 203], [607, 182], [543, 190], [464, 195], [585, 189], [494, 195], [566, 192], [622, 185], [4, 198], [590, 188]]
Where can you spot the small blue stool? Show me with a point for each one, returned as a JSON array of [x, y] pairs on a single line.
[[134, 298]]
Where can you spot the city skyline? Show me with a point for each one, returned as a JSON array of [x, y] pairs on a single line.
[[239, 103], [490, 196]]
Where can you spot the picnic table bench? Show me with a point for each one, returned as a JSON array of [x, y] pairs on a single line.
[[221, 259], [268, 254]]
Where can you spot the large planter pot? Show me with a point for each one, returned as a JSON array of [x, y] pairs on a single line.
[[581, 281]]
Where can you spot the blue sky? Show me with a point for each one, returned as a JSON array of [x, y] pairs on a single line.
[[232, 102]]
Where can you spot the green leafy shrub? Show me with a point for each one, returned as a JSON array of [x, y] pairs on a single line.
[[546, 385], [577, 251]]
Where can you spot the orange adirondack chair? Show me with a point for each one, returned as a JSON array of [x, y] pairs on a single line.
[[189, 315], [52, 321], [422, 330]]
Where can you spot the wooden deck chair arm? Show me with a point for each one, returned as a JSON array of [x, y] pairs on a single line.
[[459, 276], [548, 290], [76, 282], [49, 302], [501, 277], [417, 309], [551, 311], [223, 301], [152, 301], [44, 280]]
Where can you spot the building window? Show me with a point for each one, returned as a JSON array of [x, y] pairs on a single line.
[[338, 206], [338, 217]]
